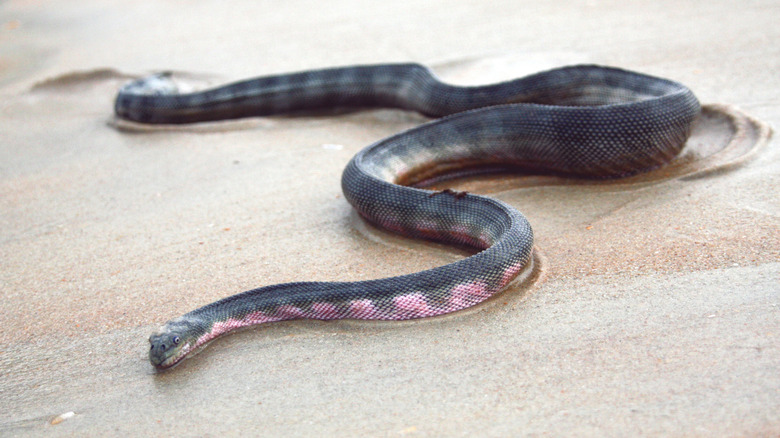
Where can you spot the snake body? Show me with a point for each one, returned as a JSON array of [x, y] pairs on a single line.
[[582, 121]]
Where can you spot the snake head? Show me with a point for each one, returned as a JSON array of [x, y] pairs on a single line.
[[171, 343]]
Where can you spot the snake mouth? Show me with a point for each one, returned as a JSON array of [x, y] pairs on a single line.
[[167, 363]]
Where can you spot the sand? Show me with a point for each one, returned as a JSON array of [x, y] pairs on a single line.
[[653, 307]]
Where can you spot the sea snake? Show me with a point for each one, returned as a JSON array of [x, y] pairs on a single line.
[[579, 121]]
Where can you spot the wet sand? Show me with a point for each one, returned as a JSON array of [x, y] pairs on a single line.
[[653, 308]]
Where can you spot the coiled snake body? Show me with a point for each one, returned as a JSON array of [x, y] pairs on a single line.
[[582, 121]]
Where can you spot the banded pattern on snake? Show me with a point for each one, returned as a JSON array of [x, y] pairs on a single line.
[[581, 121]]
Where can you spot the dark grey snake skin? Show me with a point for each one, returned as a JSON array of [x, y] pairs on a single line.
[[581, 121]]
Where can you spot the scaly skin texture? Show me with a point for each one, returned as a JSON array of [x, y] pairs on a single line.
[[582, 121]]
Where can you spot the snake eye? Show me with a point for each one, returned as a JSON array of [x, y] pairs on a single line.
[[176, 340]]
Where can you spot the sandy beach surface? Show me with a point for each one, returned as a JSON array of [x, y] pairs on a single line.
[[652, 308]]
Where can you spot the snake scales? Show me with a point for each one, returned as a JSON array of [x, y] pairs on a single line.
[[581, 121]]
